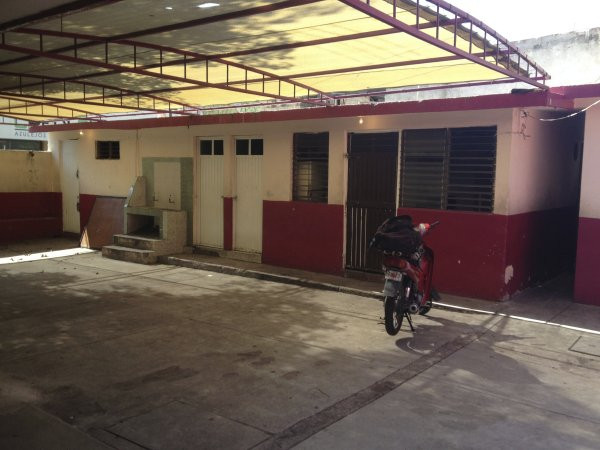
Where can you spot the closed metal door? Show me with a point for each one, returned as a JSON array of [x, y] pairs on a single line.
[[372, 179], [248, 202], [210, 201]]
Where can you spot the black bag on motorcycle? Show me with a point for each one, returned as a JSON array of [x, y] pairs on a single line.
[[397, 234]]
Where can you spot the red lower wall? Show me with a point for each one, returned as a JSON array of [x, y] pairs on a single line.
[[480, 255], [540, 246], [493, 256], [587, 273], [469, 249], [304, 235], [28, 215]]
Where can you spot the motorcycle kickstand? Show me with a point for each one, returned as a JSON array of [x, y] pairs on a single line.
[[407, 315]]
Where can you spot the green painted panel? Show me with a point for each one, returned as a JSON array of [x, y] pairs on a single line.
[[187, 186]]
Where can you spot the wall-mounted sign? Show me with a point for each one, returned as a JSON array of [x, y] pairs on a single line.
[[18, 132]]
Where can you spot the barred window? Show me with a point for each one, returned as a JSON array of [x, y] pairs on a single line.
[[108, 150], [311, 166], [452, 169]]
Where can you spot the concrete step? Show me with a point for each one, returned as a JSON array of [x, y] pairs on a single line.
[[130, 254], [137, 242], [231, 254]]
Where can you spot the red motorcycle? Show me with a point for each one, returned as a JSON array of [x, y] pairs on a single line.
[[408, 269]]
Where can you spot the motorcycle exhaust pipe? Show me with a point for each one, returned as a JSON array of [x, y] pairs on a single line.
[[413, 308]]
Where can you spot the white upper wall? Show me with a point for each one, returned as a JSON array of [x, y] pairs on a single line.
[[278, 140], [544, 173], [23, 171], [570, 58], [113, 178], [100, 177], [590, 181]]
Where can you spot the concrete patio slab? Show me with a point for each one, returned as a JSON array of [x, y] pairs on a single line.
[[133, 357]]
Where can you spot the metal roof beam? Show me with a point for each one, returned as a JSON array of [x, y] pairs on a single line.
[[279, 47], [29, 122], [188, 24], [467, 18], [57, 11], [121, 68], [194, 56], [390, 19], [429, 88], [15, 115], [57, 101], [46, 80], [330, 40], [253, 51], [11, 108], [339, 71]]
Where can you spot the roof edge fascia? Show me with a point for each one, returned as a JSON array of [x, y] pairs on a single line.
[[484, 102], [578, 91]]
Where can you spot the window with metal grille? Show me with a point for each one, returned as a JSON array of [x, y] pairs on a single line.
[[311, 166], [451, 169], [108, 150]]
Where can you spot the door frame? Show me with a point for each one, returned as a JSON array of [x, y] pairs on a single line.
[[234, 185], [196, 208], [346, 182], [62, 177]]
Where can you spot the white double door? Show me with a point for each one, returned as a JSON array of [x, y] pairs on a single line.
[[246, 193]]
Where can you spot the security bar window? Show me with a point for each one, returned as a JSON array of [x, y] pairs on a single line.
[[108, 150], [311, 165], [248, 147], [451, 169], [211, 147]]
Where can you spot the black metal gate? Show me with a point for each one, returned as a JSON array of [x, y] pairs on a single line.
[[372, 175]]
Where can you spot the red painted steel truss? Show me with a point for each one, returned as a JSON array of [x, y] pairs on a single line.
[[95, 84]]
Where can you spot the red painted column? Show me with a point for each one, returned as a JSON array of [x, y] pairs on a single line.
[[228, 223]]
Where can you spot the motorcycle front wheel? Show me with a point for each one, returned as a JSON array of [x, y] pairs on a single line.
[[393, 318]]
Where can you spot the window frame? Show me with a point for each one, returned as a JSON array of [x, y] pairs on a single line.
[[212, 141], [28, 145], [250, 140], [479, 175], [318, 161], [113, 154]]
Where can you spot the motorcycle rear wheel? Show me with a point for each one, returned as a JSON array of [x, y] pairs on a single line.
[[393, 318]]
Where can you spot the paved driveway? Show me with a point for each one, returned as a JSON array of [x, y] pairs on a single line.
[[96, 353]]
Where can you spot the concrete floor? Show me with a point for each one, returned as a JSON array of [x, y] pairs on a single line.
[[96, 353]]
